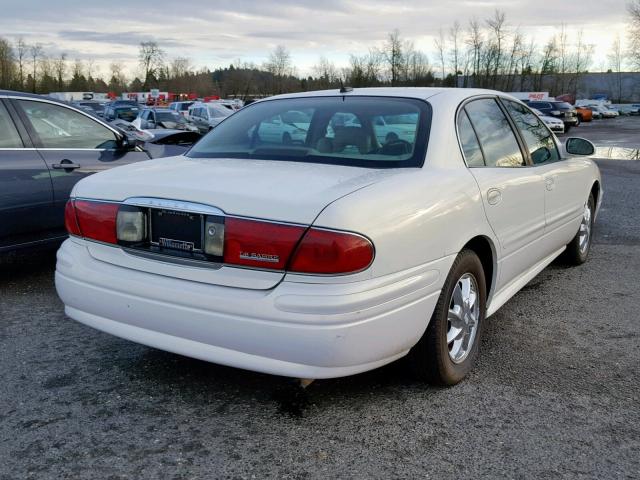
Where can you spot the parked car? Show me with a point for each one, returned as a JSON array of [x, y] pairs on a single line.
[[152, 118], [205, 116], [96, 108], [628, 109], [595, 111], [161, 142], [562, 110], [124, 103], [181, 107], [584, 114], [338, 255], [555, 124], [46, 146], [606, 112], [118, 111]]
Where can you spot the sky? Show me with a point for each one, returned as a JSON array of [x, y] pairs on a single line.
[[214, 33]]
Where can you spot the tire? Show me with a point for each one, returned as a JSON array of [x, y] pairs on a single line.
[[431, 359], [578, 120], [567, 128], [577, 251]]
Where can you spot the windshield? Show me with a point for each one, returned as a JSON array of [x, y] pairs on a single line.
[[218, 112], [126, 113], [379, 132]]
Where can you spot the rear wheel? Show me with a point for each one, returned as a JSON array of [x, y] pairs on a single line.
[[448, 349], [578, 249]]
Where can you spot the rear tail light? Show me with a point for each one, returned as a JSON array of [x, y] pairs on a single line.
[[70, 219], [237, 241], [95, 220], [259, 244], [332, 252]]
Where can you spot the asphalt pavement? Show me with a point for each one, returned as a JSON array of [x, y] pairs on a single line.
[[555, 393]]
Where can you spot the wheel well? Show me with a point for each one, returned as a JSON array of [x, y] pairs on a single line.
[[595, 191], [481, 246]]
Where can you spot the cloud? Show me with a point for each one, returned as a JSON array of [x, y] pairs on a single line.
[[119, 38], [212, 32]]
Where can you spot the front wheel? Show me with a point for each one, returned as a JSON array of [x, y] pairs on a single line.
[[448, 349], [578, 249]]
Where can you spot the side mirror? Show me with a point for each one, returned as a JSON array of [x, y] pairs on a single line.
[[579, 146]]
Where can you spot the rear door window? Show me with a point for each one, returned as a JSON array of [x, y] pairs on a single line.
[[495, 134], [539, 139], [469, 142], [9, 137]]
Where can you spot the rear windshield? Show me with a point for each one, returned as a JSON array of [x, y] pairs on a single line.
[[563, 105], [378, 132], [169, 117]]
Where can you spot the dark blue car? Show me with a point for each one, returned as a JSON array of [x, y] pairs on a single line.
[[46, 146]]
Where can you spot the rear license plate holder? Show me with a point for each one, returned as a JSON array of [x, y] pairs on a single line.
[[177, 231]]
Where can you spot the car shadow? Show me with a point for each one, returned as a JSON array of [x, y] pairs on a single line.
[[19, 265], [223, 386]]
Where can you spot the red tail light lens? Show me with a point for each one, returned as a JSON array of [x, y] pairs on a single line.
[[70, 220], [259, 244], [97, 220], [332, 252]]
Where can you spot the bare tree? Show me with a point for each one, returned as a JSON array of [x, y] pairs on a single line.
[[633, 7], [441, 49], [615, 63], [180, 66], [35, 52], [326, 73], [7, 66], [60, 68], [581, 60], [474, 42], [151, 59], [494, 60], [280, 66], [393, 55], [454, 39], [21, 54]]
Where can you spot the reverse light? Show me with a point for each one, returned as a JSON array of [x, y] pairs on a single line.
[[131, 224]]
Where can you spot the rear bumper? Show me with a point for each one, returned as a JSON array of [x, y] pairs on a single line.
[[295, 329]]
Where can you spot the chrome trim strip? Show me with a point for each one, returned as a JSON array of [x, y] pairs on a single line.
[[159, 257], [179, 205]]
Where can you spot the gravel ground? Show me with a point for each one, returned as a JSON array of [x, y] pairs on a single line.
[[555, 393]]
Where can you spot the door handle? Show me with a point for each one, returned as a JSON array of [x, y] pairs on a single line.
[[550, 183], [494, 196], [65, 165]]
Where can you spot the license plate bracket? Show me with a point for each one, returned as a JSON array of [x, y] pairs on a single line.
[[176, 231]]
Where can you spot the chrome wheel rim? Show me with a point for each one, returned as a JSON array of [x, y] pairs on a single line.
[[584, 234], [462, 321]]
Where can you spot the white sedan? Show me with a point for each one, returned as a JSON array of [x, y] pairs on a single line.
[[555, 124], [339, 253]]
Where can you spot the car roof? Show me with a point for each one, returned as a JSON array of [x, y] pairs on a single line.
[[422, 93], [12, 93]]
